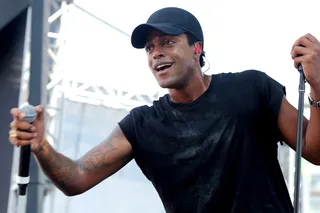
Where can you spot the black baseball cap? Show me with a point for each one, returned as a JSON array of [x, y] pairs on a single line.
[[170, 21]]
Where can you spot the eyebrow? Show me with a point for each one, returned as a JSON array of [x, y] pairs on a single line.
[[161, 37]]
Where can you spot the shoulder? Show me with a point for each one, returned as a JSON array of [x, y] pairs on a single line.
[[149, 111], [138, 114], [245, 76], [250, 79], [252, 83], [140, 117], [251, 75]]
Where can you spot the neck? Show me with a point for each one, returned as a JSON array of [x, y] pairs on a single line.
[[193, 89]]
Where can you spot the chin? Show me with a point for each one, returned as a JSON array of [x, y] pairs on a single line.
[[169, 84], [164, 85]]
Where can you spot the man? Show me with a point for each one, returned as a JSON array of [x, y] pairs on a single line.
[[210, 145]]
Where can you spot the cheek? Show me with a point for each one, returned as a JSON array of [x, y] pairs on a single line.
[[183, 55], [149, 61], [185, 59]]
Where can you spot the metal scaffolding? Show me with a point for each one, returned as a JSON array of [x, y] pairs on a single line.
[[62, 86]]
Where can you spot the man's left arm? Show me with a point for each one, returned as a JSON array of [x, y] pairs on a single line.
[[305, 51]]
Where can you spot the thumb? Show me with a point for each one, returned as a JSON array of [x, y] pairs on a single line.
[[40, 110]]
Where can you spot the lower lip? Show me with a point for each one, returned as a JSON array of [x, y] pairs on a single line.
[[163, 72]]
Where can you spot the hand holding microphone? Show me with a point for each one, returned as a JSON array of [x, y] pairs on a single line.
[[306, 55], [27, 131]]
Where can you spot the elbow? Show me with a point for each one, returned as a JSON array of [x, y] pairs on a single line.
[[69, 194], [75, 186], [312, 154], [314, 159], [72, 192], [316, 162]]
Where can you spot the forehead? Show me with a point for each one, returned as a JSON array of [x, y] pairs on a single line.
[[156, 34]]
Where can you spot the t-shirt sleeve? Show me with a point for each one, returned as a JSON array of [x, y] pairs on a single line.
[[128, 125], [273, 95]]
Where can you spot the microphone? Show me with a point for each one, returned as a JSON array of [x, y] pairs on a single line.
[[25, 153]]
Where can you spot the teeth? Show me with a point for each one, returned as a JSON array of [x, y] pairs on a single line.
[[162, 65]]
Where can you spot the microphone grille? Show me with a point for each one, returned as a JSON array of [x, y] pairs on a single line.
[[30, 112]]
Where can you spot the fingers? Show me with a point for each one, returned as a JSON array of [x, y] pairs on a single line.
[[299, 51], [303, 60], [304, 49], [40, 109], [22, 125], [307, 41], [21, 135], [298, 61], [300, 54], [22, 132], [311, 38], [21, 138], [17, 114], [18, 142], [302, 42]]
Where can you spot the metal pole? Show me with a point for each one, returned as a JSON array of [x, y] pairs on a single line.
[[12, 39], [299, 141]]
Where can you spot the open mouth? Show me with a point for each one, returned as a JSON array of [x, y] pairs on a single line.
[[163, 67]]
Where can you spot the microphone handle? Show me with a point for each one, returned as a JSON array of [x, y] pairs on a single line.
[[24, 165], [23, 178]]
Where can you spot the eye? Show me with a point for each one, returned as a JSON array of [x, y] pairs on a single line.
[[148, 48], [168, 42]]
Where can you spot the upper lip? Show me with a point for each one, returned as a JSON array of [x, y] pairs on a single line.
[[157, 64]]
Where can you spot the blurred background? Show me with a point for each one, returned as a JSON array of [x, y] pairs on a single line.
[[91, 77]]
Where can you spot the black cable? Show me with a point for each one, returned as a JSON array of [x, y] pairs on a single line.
[[100, 19]]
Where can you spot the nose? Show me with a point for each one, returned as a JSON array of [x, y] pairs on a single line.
[[157, 53]]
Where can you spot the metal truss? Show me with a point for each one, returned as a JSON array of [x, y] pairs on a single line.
[[55, 7], [61, 86], [100, 95], [59, 8]]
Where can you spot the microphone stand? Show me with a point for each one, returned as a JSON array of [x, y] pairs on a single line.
[[299, 140]]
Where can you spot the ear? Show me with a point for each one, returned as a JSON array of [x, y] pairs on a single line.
[[197, 49]]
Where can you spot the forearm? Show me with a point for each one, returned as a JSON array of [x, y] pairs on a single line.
[[61, 170], [312, 137]]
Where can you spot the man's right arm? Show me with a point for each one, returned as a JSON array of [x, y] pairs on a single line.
[[71, 177], [75, 177]]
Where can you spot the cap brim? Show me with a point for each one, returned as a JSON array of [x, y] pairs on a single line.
[[140, 34]]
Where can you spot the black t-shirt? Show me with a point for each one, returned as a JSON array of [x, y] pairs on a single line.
[[217, 154]]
